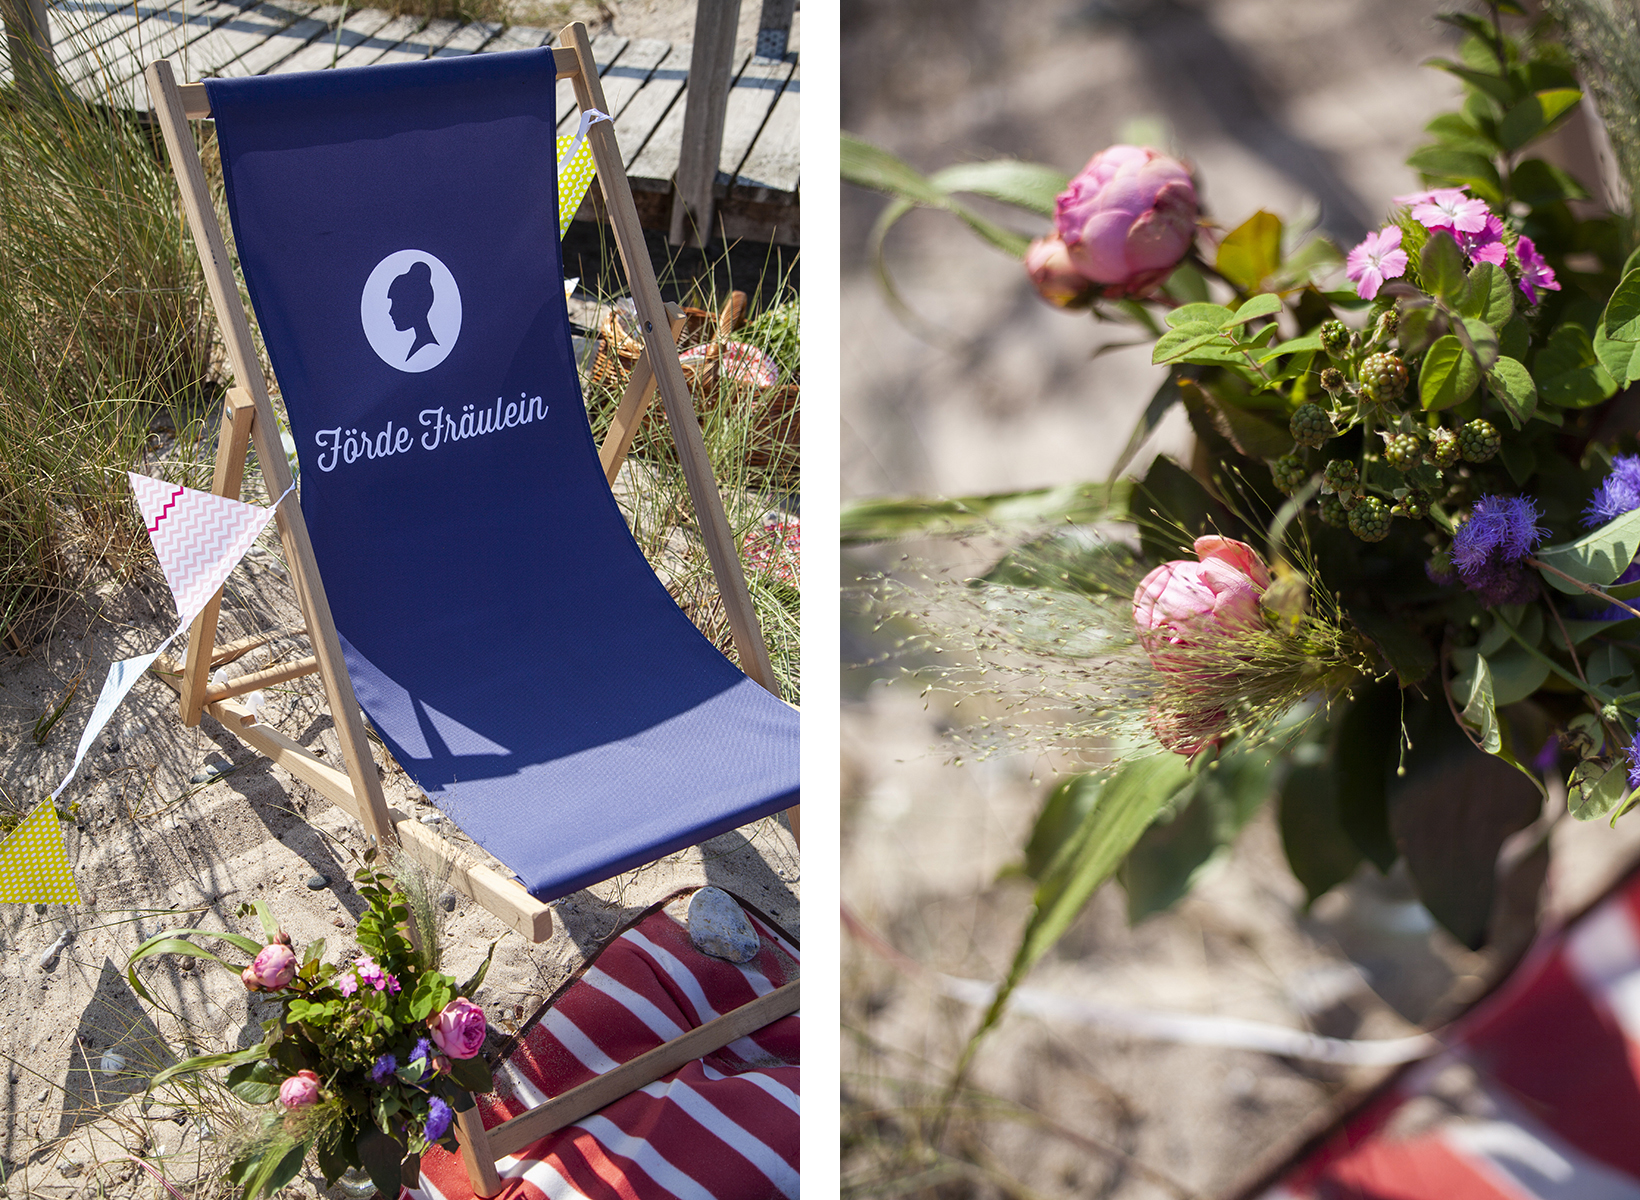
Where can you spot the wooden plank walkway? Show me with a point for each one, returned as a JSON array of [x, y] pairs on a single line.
[[101, 47]]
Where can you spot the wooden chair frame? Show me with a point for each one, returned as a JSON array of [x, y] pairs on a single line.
[[248, 420]]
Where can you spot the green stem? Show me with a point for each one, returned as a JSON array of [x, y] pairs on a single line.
[[1541, 656]]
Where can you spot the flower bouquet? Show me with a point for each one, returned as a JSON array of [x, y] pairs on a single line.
[[365, 1064], [1396, 588]]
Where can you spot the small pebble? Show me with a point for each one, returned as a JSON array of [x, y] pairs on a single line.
[[112, 1063], [318, 883], [431, 818], [41, 1098], [70, 1168], [210, 771], [448, 902], [718, 927], [48, 960], [338, 922]]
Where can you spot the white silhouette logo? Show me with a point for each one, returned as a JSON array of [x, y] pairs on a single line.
[[411, 311]]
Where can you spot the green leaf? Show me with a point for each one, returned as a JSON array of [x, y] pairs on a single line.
[[380, 1155], [1309, 343], [898, 519], [1214, 315], [1365, 749], [1448, 375], [1448, 163], [1621, 359], [1124, 807], [1594, 790], [1251, 252], [1621, 320], [1492, 85], [1455, 131], [1516, 674], [1515, 339], [477, 977], [1488, 296], [1165, 397], [1512, 384], [1440, 264], [873, 167], [1597, 558], [1569, 373], [1473, 689], [1479, 339], [1176, 343], [1029, 186], [1406, 651], [175, 942], [1170, 508], [1262, 305], [1318, 850], [207, 1062], [1535, 115], [472, 1074], [1063, 811], [1538, 183]]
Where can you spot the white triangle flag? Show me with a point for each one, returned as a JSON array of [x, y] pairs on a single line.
[[120, 678], [199, 537]]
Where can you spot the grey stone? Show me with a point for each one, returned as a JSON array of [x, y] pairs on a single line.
[[448, 902], [718, 927], [210, 771], [318, 882]]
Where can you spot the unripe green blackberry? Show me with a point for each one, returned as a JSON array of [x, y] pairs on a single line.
[[1414, 504], [1340, 475], [1332, 512], [1478, 441], [1332, 379], [1443, 447], [1311, 426], [1389, 324], [1383, 378], [1335, 338], [1404, 451], [1369, 520], [1289, 473]]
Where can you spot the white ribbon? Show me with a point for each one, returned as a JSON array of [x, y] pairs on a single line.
[[587, 118]]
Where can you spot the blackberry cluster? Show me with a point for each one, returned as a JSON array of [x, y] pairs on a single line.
[[1443, 447], [1332, 379], [1335, 338], [1289, 473], [1311, 426], [1383, 378], [1341, 478], [1478, 441], [1369, 519], [1404, 451], [1333, 512], [1389, 324], [1414, 504]]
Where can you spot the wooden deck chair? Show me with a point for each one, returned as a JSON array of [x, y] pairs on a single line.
[[463, 571]]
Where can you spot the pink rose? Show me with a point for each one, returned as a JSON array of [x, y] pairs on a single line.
[[273, 968], [1183, 605], [1128, 219], [459, 1029], [1048, 264], [300, 1090]]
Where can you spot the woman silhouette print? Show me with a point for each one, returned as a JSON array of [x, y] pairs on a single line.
[[410, 296]]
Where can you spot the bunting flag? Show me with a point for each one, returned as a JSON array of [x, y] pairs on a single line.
[[199, 537], [34, 861], [575, 169], [120, 678]]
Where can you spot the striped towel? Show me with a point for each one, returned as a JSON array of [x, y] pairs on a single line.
[[1536, 1096], [724, 1127]]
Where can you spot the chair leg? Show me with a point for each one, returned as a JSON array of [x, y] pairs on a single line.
[[476, 1155], [797, 825]]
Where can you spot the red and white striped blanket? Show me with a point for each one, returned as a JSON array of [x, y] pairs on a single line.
[[724, 1127], [1537, 1096]]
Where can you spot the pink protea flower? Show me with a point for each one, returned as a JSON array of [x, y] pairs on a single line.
[[459, 1028], [300, 1090], [1535, 273], [1182, 607], [1452, 208], [1378, 257], [1127, 219], [273, 967], [1048, 263]]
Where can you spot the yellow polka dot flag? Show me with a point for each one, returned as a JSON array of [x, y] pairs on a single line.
[[574, 178], [34, 862]]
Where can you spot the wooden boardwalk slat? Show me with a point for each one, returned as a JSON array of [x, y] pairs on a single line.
[[234, 37], [112, 74], [773, 167], [469, 39], [319, 53], [379, 43], [519, 37], [420, 44], [655, 160], [649, 103], [755, 92], [74, 25], [259, 60], [120, 38]]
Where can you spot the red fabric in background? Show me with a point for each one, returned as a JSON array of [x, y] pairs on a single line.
[[724, 1127]]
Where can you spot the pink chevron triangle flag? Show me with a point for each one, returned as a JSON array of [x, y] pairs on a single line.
[[199, 537]]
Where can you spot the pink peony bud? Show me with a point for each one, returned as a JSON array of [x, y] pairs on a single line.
[[459, 1029], [282, 938], [441, 1064], [1048, 264], [1128, 219], [300, 1090], [273, 968], [248, 978], [1182, 605]]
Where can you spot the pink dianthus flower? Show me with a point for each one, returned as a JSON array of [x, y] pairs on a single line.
[[1535, 273], [1452, 208], [1377, 258]]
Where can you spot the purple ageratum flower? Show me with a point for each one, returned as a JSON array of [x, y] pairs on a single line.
[[1619, 493], [385, 1066], [1488, 548], [1451, 208], [1535, 273], [1377, 258], [1633, 753], [438, 1119], [423, 1051]]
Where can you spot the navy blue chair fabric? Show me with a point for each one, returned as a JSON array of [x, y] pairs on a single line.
[[397, 227]]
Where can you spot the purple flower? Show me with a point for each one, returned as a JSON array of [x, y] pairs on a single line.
[[370, 971], [1484, 246], [1619, 493], [1453, 208], [347, 984], [1534, 271], [438, 1119], [1377, 258], [1633, 753], [385, 1066], [1616, 612], [423, 1051], [1488, 548]]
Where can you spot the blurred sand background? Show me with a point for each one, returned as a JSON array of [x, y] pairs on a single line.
[[1278, 105]]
